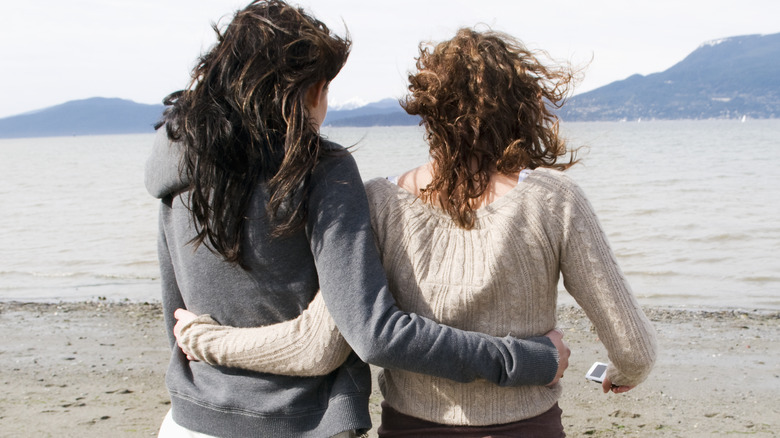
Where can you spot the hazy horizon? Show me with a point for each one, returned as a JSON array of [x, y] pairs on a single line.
[[142, 50]]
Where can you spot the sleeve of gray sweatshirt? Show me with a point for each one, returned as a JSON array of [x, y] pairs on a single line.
[[356, 293]]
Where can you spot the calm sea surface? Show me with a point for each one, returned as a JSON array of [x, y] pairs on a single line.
[[692, 209]]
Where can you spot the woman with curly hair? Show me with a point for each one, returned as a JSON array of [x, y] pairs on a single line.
[[499, 222], [258, 214], [477, 239]]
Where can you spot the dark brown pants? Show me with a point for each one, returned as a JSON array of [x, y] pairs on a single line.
[[398, 425]]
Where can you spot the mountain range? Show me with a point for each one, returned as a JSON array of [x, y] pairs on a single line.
[[729, 78], [386, 112], [94, 116]]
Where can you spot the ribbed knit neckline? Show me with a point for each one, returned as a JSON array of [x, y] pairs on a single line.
[[511, 196]]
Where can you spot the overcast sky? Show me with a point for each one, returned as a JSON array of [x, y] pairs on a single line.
[[56, 51]]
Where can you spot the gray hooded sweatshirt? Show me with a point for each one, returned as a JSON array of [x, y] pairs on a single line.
[[336, 253]]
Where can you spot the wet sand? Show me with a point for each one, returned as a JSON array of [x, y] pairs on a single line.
[[97, 369]]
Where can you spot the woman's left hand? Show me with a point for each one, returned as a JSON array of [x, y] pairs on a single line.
[[183, 317], [608, 386]]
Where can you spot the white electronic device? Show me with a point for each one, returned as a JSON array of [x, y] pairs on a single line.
[[597, 372]]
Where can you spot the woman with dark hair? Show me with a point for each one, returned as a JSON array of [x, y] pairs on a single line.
[[477, 239], [259, 212]]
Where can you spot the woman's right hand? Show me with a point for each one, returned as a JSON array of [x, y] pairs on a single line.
[[617, 389], [556, 336]]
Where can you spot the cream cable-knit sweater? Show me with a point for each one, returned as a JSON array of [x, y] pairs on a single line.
[[499, 278], [309, 345]]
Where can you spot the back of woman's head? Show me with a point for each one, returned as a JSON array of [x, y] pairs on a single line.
[[487, 103], [243, 119]]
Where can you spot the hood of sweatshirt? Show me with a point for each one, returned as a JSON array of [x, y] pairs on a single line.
[[161, 175]]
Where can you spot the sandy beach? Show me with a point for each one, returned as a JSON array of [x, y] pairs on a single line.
[[97, 369]]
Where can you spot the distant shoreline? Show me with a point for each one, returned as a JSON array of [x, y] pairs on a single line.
[[368, 126], [338, 126], [655, 313]]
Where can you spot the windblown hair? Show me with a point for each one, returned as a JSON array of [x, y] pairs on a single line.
[[487, 104], [242, 120]]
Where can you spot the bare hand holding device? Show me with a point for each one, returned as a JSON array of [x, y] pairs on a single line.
[[598, 373]]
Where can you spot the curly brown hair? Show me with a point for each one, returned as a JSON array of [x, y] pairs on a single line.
[[243, 120], [487, 103]]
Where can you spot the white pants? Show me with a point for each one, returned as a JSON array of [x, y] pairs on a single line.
[[169, 429]]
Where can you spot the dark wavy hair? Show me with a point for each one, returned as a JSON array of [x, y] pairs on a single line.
[[242, 120], [487, 103]]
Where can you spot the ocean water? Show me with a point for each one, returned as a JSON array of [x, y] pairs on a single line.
[[692, 209]]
